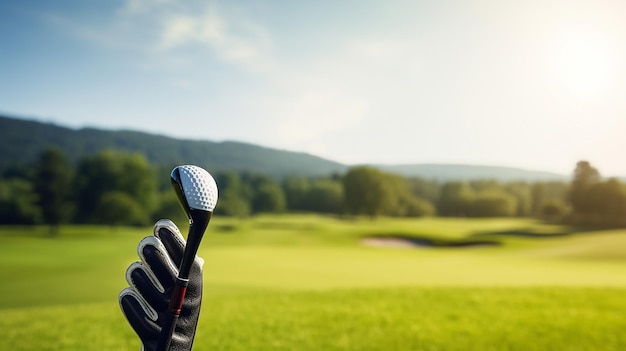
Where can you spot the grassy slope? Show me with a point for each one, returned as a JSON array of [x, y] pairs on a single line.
[[303, 282]]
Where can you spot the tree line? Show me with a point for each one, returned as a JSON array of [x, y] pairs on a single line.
[[120, 188]]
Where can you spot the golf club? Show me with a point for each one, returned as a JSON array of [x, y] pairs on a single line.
[[197, 192]]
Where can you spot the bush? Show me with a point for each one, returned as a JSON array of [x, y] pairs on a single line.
[[493, 204], [118, 208], [554, 210], [18, 202], [415, 207], [231, 204], [169, 207]]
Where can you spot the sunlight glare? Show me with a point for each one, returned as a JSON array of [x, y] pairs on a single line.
[[585, 64]]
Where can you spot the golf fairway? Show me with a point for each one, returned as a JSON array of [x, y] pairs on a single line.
[[306, 283]]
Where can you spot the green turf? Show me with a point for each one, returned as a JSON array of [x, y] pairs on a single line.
[[354, 319], [306, 283]]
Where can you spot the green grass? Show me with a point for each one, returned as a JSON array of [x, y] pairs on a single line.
[[305, 283], [354, 319]]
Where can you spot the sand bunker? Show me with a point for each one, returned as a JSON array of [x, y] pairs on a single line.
[[396, 243]]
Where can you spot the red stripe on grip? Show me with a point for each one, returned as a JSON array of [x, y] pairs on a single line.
[[176, 301]]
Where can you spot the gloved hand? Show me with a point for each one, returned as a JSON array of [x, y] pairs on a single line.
[[151, 282]]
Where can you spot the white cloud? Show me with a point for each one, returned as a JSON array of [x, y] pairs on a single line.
[[177, 30], [233, 40], [161, 28]]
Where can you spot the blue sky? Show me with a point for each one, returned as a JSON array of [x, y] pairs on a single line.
[[531, 84]]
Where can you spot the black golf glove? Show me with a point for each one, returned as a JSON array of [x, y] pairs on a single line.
[[151, 282]]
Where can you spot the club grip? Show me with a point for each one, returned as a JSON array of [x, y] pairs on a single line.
[[174, 308], [166, 333], [178, 296]]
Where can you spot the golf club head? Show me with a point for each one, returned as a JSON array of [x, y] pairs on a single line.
[[196, 189]]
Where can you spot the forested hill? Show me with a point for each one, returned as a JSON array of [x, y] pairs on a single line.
[[456, 172], [22, 141]]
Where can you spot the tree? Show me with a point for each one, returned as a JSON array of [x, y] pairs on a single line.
[[607, 203], [424, 189], [53, 185], [325, 196], [268, 197], [595, 202], [455, 199], [415, 207], [367, 191], [404, 201], [585, 177], [543, 192], [232, 201], [110, 171], [615, 205], [400, 195], [522, 192], [296, 193], [231, 204], [169, 207], [18, 202], [263, 193], [493, 203], [484, 185], [554, 210], [118, 208]]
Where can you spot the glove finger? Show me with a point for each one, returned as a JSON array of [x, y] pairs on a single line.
[[145, 284], [171, 238], [173, 241], [158, 262], [139, 314]]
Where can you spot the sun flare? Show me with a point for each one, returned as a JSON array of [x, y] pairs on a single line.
[[584, 63]]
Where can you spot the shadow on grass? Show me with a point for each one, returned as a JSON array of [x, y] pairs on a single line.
[[397, 239], [535, 233], [224, 228], [477, 239]]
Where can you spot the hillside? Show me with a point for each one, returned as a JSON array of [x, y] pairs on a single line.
[[444, 172], [21, 142]]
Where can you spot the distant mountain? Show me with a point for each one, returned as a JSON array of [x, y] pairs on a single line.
[[446, 172], [22, 141]]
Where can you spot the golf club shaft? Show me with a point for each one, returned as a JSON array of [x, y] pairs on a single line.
[[197, 192], [196, 232], [174, 308]]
